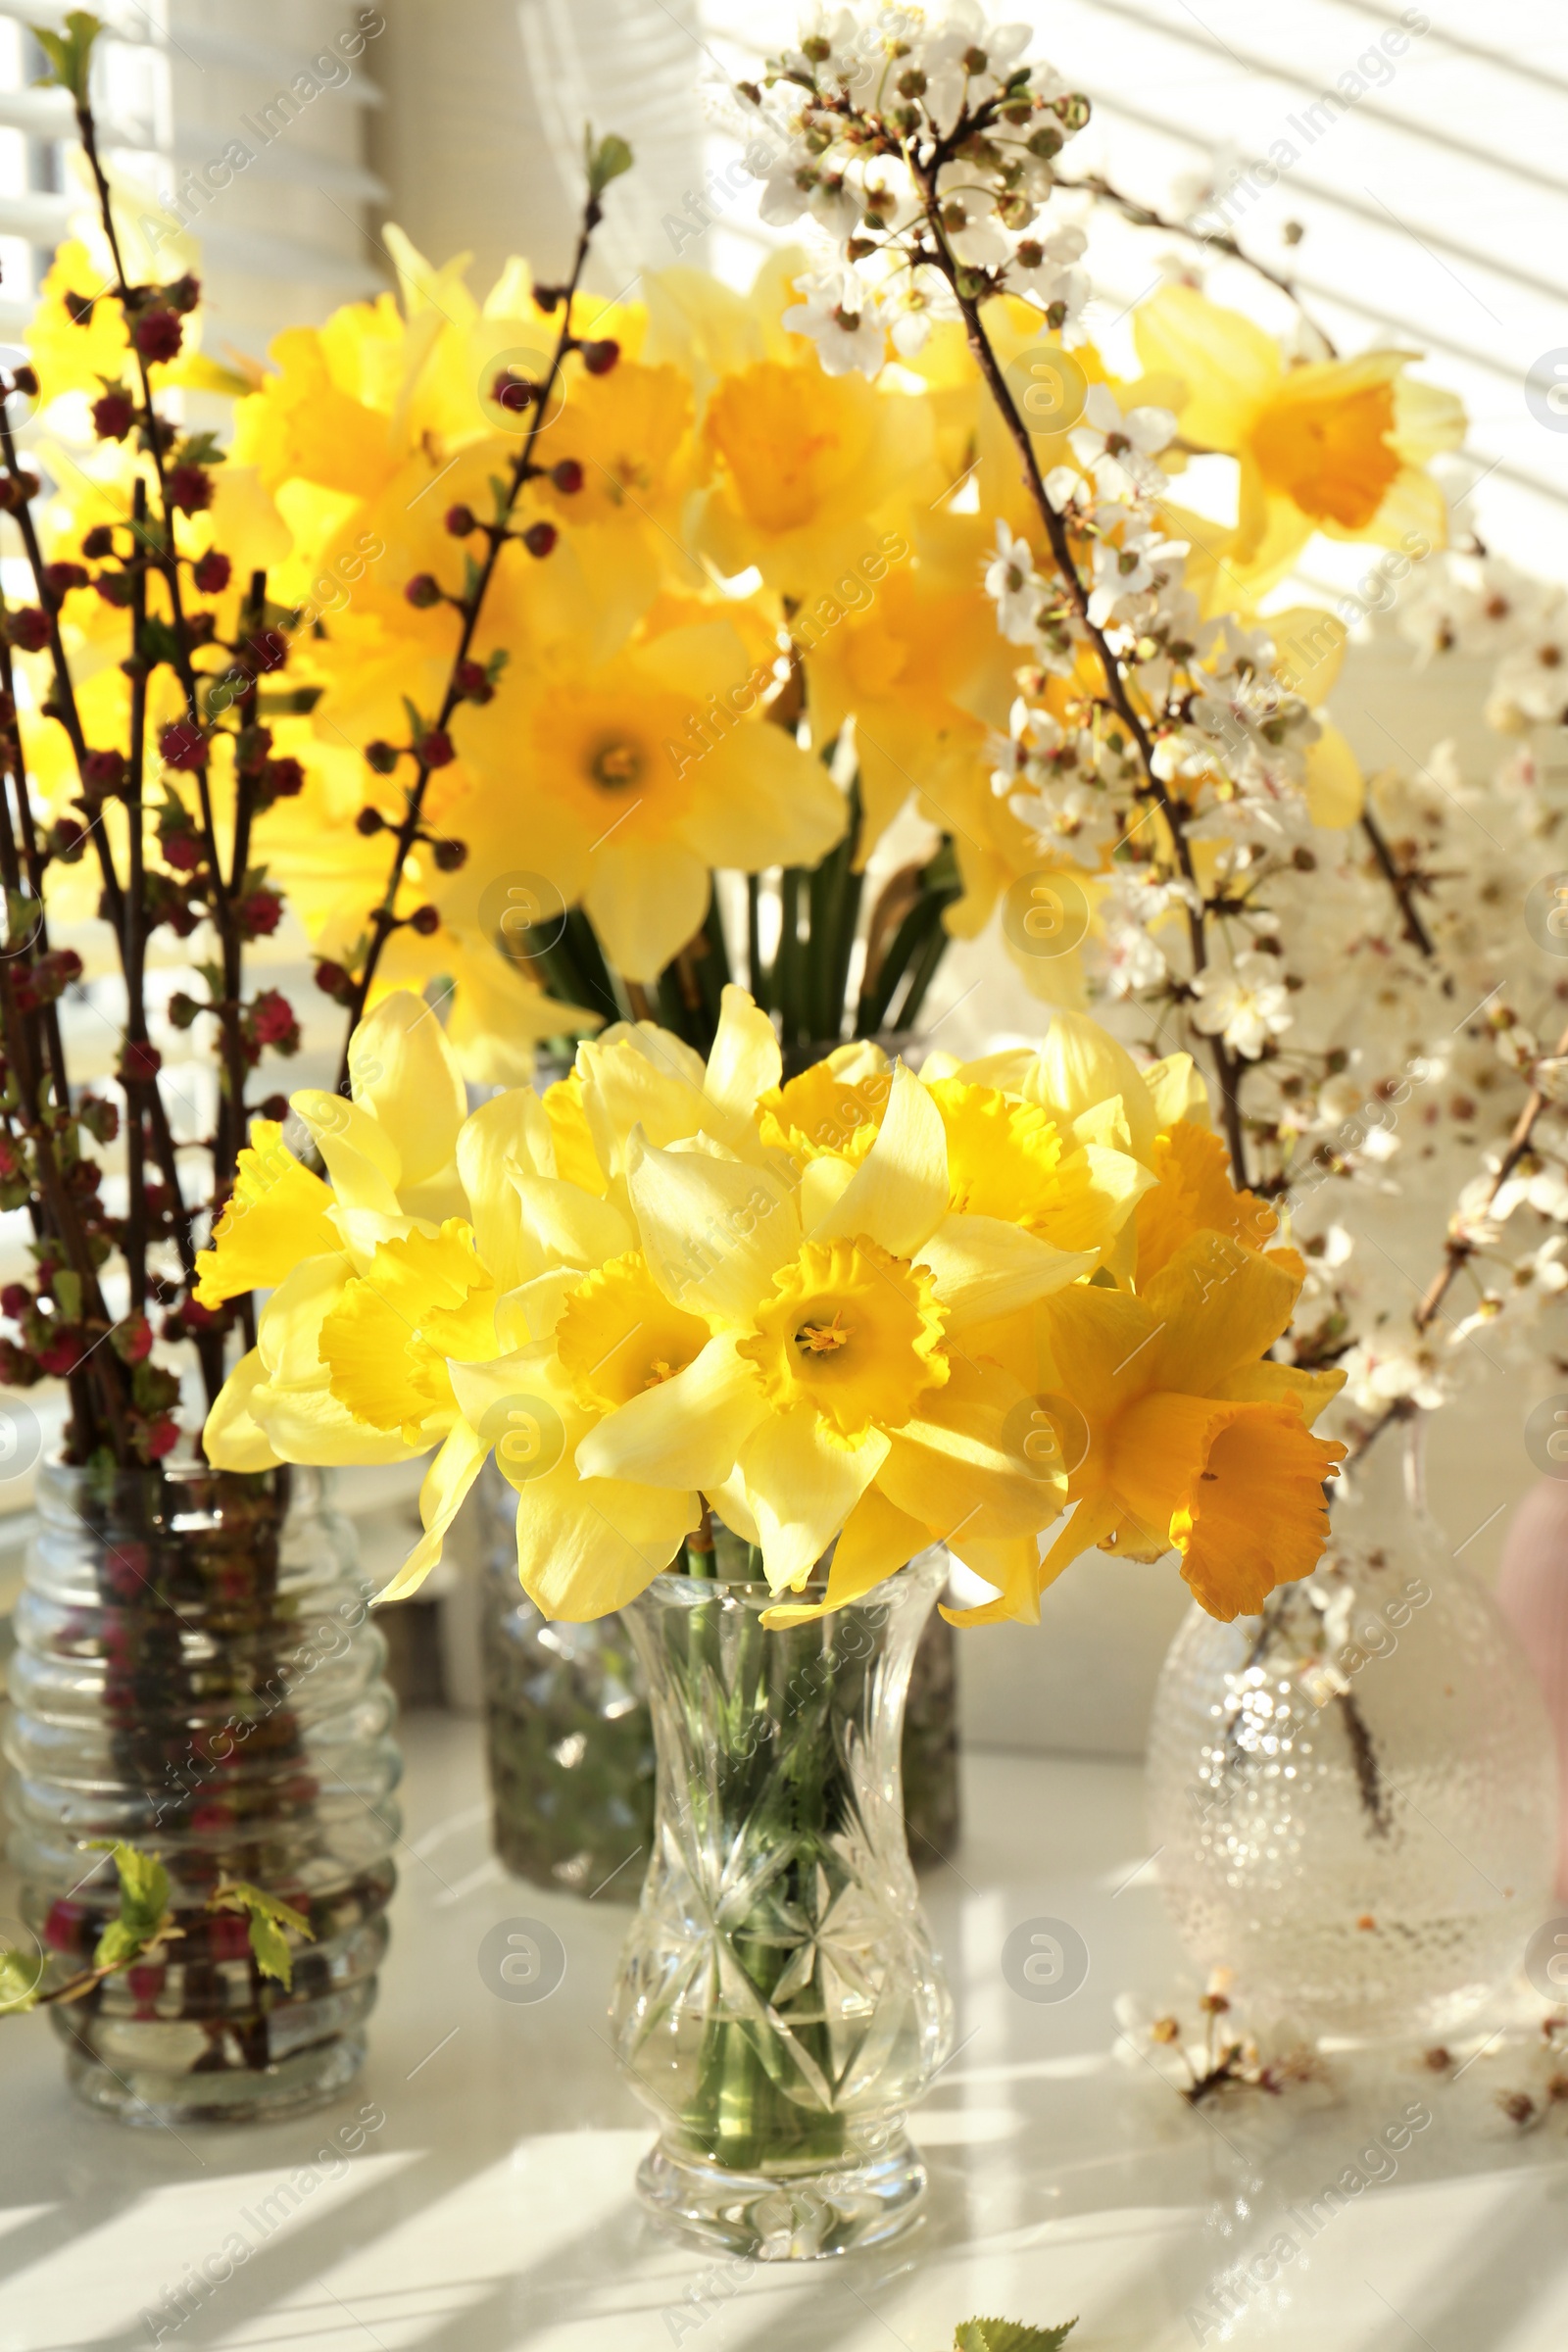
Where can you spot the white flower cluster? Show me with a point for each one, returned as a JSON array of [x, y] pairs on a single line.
[[1423, 1020], [922, 146], [1226, 743], [1384, 998]]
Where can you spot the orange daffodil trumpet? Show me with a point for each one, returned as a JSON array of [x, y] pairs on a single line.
[[1338, 446], [853, 1314]]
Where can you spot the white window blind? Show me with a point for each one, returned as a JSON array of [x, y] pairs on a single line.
[[247, 130]]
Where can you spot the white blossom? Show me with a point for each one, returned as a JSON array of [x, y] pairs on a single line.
[[1013, 586], [1246, 1005], [844, 318], [1120, 450]]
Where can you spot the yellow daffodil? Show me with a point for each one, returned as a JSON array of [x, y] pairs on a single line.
[[1008, 1157], [837, 1397], [600, 1331], [1338, 446], [586, 1541], [638, 1076], [1194, 1195], [922, 671], [854, 1314], [812, 473], [642, 773], [380, 1276], [1184, 1437]]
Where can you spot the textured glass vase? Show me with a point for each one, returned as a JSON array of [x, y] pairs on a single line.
[[196, 1673], [570, 1740], [780, 2005], [1353, 1794]]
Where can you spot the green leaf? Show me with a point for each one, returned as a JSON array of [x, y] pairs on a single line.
[[19, 1979], [268, 1915], [605, 162], [143, 1904], [67, 1293], [1010, 2335], [143, 1888], [119, 1946], [69, 54]]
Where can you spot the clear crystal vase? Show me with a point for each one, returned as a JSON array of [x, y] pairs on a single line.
[[196, 1673], [780, 2005], [1353, 1794], [569, 1739]]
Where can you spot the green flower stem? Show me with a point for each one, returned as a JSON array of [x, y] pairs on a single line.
[[779, 1792], [759, 975], [787, 964]]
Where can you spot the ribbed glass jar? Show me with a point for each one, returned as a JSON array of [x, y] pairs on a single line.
[[780, 2005], [197, 1674]]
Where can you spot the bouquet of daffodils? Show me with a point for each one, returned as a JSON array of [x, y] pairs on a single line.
[[851, 1315]]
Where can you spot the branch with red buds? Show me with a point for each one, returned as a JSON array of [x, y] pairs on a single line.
[[470, 680]]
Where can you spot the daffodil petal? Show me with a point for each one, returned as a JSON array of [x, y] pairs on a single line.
[[1177, 1091], [559, 1220], [1227, 364], [1220, 1306], [900, 1191], [310, 1425], [639, 1077], [1013, 1565], [586, 1546], [361, 1157], [403, 1070], [1079, 1066], [446, 1483], [289, 1330], [823, 1185], [733, 1505], [1098, 1347], [513, 1127], [715, 1230], [803, 1485], [688, 1432], [645, 900], [232, 1439], [983, 1268], [745, 1062], [1093, 1521], [531, 1377], [877, 1540], [1336, 789], [961, 1462], [1280, 1384]]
